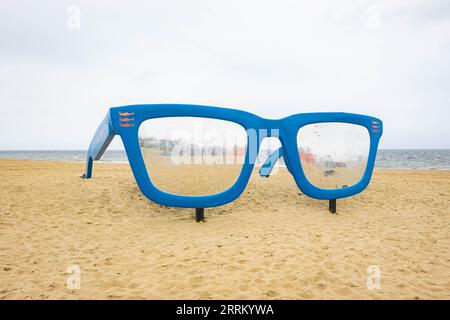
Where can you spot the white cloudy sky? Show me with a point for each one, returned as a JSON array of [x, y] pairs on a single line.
[[388, 59]]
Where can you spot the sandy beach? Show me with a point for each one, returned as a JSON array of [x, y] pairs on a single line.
[[271, 243]]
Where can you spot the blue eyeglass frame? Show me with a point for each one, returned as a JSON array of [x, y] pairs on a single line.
[[288, 127]]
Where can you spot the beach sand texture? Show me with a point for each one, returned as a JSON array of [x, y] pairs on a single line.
[[271, 243]]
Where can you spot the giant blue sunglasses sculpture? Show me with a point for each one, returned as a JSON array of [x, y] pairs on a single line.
[[175, 149]]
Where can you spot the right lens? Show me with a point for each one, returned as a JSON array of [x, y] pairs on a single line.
[[333, 155], [192, 155]]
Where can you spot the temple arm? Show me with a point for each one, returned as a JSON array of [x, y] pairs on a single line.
[[269, 164], [102, 138]]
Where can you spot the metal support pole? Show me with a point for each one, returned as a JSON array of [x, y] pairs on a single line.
[[332, 206], [199, 214]]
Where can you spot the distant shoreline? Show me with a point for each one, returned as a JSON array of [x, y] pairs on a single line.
[[396, 159], [122, 150], [256, 165]]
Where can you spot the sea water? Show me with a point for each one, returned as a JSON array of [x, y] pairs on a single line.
[[395, 159]]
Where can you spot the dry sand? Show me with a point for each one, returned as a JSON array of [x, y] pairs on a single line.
[[271, 243]]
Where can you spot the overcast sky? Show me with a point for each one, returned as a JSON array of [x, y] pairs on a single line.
[[60, 71]]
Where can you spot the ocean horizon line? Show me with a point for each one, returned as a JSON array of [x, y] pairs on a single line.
[[85, 150]]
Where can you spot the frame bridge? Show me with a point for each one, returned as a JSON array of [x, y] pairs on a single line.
[[271, 124]]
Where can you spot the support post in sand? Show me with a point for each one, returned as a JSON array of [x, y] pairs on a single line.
[[199, 214], [332, 206]]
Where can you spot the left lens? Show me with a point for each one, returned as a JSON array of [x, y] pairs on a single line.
[[192, 156]]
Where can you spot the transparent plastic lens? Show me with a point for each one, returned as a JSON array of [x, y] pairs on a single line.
[[192, 155], [333, 155]]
